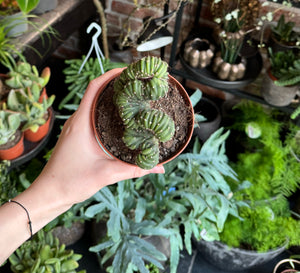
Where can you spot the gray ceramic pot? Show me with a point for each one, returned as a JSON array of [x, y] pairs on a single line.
[[45, 6], [277, 95], [207, 108], [234, 259]]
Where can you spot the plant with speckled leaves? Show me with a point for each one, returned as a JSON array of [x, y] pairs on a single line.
[[138, 85]]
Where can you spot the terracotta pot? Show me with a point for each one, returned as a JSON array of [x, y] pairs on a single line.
[[11, 153], [109, 153], [43, 95], [41, 132], [277, 95]]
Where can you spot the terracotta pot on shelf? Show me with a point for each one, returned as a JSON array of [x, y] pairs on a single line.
[[41, 132], [110, 151], [277, 95], [9, 152]]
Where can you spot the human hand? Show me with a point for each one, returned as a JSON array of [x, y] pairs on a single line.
[[78, 163]]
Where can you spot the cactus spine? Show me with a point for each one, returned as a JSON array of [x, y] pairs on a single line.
[[138, 85]]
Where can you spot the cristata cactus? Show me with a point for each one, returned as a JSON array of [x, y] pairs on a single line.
[[9, 124], [44, 254], [138, 85]]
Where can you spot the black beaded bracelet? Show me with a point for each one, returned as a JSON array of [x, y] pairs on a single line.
[[29, 220]]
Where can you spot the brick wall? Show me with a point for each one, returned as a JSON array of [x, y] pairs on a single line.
[[117, 16]]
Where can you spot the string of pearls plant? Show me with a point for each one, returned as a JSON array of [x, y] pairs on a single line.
[[138, 85]]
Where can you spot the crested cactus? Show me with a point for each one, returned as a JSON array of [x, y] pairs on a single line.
[[44, 254], [9, 124], [138, 85]]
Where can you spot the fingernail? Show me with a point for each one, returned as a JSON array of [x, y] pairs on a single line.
[[158, 169]]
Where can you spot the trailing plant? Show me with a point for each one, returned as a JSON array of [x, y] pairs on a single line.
[[193, 194], [9, 123], [44, 254], [78, 82], [138, 85]]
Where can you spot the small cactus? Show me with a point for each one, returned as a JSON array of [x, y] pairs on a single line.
[[9, 123], [138, 85], [44, 254]]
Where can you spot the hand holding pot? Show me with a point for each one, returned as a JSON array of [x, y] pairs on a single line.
[[76, 170]]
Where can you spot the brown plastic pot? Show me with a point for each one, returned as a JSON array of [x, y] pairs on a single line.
[[172, 81], [13, 152], [41, 132]]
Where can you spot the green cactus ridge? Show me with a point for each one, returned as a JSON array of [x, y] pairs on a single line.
[[139, 84]]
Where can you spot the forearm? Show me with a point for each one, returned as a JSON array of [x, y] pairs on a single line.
[[42, 204]]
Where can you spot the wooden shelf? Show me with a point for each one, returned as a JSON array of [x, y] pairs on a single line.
[[68, 17]]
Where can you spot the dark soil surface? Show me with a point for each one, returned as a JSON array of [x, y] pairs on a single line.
[[110, 127]]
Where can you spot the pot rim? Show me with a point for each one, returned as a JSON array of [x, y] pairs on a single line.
[[182, 91]]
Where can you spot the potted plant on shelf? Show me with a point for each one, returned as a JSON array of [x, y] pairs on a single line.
[[14, 14], [281, 82], [44, 253], [11, 137], [283, 36], [192, 199], [268, 227], [30, 99], [235, 20], [141, 101], [78, 82]]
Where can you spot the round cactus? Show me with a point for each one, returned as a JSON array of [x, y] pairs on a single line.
[[138, 85]]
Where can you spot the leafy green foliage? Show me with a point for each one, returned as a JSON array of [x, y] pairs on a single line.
[[285, 66], [44, 254], [9, 124], [78, 82], [266, 161], [139, 84], [193, 194], [268, 164], [283, 31], [263, 227]]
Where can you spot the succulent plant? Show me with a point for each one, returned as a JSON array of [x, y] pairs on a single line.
[[285, 66], [9, 124], [32, 111], [44, 254], [139, 84], [26, 75]]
